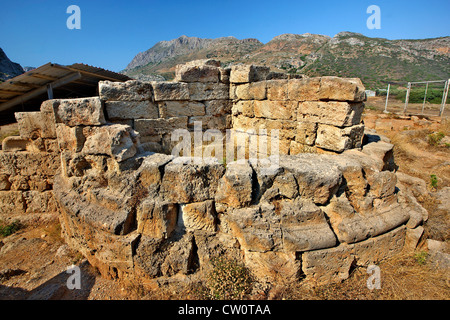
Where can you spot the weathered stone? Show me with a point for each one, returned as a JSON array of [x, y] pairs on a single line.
[[318, 178], [382, 184], [277, 110], [156, 219], [249, 91], [150, 127], [339, 114], [11, 202], [277, 89], [198, 71], [199, 91], [337, 139], [199, 216], [150, 173], [412, 238], [34, 125], [211, 122], [224, 75], [39, 202], [180, 258], [70, 138], [275, 267], [383, 151], [248, 73], [235, 187], [341, 89], [82, 111], [169, 109], [306, 133], [186, 181], [4, 182], [304, 89], [130, 90], [246, 108], [218, 107], [15, 143], [118, 141], [170, 91], [131, 110]]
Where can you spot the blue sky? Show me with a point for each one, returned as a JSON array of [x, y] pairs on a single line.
[[34, 32]]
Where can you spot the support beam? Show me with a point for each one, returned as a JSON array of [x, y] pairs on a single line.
[[29, 95], [87, 73]]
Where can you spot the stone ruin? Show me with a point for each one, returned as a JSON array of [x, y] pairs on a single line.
[[136, 211]]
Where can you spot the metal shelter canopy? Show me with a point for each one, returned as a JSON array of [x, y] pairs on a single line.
[[76, 80]]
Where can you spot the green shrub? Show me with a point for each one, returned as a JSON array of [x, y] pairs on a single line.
[[433, 181], [9, 229], [228, 279], [435, 138]]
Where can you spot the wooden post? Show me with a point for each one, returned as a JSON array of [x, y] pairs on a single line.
[[49, 91], [444, 98]]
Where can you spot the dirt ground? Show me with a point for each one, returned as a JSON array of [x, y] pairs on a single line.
[[34, 260]]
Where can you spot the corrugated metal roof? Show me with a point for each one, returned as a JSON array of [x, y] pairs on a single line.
[[34, 82]]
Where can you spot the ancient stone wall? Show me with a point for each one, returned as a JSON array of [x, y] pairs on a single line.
[[28, 164], [135, 213]]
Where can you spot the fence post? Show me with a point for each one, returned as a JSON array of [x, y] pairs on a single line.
[[387, 98], [444, 98], [407, 97], [425, 98]]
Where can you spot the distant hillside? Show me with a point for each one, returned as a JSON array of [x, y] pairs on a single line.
[[375, 60], [8, 69]]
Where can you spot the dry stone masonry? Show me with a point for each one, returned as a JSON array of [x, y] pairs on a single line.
[[135, 210]]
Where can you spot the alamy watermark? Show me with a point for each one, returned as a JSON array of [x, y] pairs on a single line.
[[374, 21], [374, 281], [74, 20], [74, 281], [239, 146]]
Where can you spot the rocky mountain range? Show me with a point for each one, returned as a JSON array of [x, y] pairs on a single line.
[[376, 61], [8, 69]]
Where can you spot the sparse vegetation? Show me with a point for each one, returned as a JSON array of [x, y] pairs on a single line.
[[7, 229]]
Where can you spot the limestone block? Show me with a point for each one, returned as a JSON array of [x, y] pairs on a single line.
[[383, 151], [15, 143], [199, 91], [244, 107], [186, 181], [211, 122], [341, 89], [150, 172], [249, 91], [198, 71], [218, 107], [304, 89], [19, 183], [82, 111], [170, 91], [70, 138], [339, 114], [278, 110], [169, 109], [248, 73], [130, 90], [277, 89], [273, 266], [156, 219], [116, 140], [339, 139], [150, 127], [40, 202], [306, 133], [318, 178], [34, 125], [224, 75], [11, 202], [118, 110], [382, 184], [199, 216], [235, 187]]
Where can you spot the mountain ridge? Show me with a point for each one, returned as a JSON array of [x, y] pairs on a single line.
[[375, 60]]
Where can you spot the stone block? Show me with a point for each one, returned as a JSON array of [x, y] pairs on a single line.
[[339, 139], [170, 91], [33, 125], [122, 110], [278, 110], [198, 71], [199, 91], [150, 127], [199, 216], [156, 219], [306, 133], [70, 138], [169, 109], [15, 143], [304, 89], [131, 90], [341, 89], [82, 111], [248, 73], [277, 89], [249, 91], [11, 202], [218, 107], [339, 114]]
